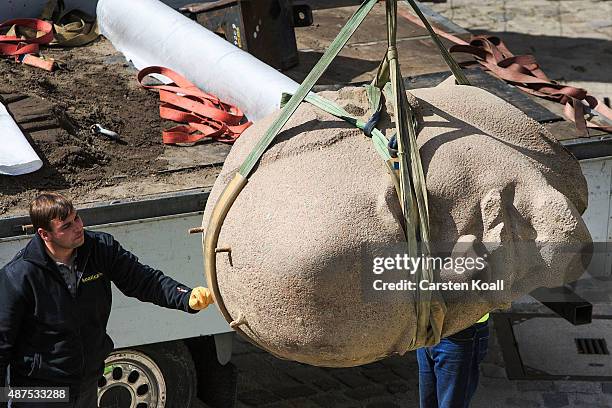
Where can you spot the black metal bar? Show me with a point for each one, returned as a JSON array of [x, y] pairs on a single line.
[[121, 210], [502, 322], [327, 4], [589, 148], [566, 304]]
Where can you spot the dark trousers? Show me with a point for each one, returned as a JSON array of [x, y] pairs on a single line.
[[83, 396], [448, 371]]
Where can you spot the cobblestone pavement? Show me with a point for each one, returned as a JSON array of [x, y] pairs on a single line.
[[571, 39], [561, 18], [265, 381]]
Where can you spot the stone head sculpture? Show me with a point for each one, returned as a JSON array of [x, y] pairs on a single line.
[[295, 278]]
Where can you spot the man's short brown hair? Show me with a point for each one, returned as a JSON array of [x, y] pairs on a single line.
[[47, 207]]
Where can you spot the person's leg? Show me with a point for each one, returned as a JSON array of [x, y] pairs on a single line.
[[22, 382], [456, 359], [88, 397], [427, 379], [12, 404], [481, 345]]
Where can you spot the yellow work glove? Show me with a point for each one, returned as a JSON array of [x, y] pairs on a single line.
[[200, 298]]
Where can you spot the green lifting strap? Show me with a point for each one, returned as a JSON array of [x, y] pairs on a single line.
[[311, 79], [379, 140], [413, 197], [429, 306], [450, 61]]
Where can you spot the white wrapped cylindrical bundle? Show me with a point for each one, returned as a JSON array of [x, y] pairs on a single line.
[[149, 32], [16, 155]]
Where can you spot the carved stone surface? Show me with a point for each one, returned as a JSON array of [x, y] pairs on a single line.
[[321, 191]]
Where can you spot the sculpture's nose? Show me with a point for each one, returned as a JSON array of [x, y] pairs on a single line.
[[562, 235], [556, 219]]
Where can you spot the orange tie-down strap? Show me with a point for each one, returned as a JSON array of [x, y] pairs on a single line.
[[523, 71], [16, 46], [206, 116]]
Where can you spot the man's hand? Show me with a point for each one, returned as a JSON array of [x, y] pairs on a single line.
[[200, 298]]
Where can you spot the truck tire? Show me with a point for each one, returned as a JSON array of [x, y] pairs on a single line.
[[158, 375], [217, 384]]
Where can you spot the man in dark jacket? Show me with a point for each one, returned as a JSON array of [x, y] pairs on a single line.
[[55, 301]]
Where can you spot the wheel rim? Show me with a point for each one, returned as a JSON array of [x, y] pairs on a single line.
[[131, 380]]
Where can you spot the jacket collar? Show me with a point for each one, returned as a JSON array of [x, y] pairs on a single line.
[[36, 253]]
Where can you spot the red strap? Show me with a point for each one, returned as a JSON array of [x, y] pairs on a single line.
[[523, 71], [12, 46], [206, 116]]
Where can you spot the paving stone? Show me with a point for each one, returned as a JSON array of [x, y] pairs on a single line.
[[306, 374], [257, 397], [327, 383], [240, 347], [383, 375], [495, 383], [606, 387], [363, 393], [555, 400], [407, 360], [587, 405], [350, 377], [244, 345], [293, 403], [535, 385], [407, 373], [584, 387], [258, 369], [492, 370], [373, 366], [595, 296], [295, 391], [580, 399], [382, 404], [330, 400], [523, 403], [398, 387], [270, 378], [279, 404], [248, 362]]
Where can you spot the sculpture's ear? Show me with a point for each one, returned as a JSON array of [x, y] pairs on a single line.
[[501, 221], [495, 219]]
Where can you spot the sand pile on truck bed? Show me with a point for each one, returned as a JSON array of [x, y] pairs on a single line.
[[56, 109], [299, 277]]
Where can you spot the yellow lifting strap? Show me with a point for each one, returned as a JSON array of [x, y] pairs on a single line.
[[73, 28], [430, 308]]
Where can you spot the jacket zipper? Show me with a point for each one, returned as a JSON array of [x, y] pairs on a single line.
[[76, 304]]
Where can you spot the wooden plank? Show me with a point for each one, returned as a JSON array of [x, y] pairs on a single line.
[[481, 79], [357, 63], [478, 78], [326, 4], [205, 154], [438, 20], [327, 24], [565, 130], [28, 109]]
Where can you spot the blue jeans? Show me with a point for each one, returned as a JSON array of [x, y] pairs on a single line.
[[448, 371]]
